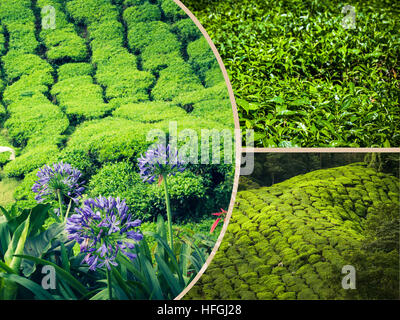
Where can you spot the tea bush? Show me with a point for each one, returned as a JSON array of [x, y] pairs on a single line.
[[150, 111], [287, 241], [301, 79], [80, 98], [63, 43], [147, 201]]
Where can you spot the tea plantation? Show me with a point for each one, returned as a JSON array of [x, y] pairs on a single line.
[[291, 240], [87, 87], [303, 76]]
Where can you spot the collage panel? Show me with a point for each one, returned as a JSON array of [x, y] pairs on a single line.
[[310, 73], [310, 226], [117, 149]]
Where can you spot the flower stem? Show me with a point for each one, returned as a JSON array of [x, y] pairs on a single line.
[[60, 202], [169, 215], [69, 208], [109, 284]]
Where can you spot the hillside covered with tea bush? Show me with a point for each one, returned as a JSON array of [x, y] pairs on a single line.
[[301, 78], [88, 91], [291, 240]]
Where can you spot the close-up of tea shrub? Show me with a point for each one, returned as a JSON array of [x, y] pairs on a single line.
[[291, 240], [305, 74]]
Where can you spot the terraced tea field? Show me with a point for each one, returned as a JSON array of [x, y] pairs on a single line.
[[84, 81], [291, 240]]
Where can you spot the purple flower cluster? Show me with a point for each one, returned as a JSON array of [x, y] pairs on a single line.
[[159, 161], [61, 179], [103, 228]]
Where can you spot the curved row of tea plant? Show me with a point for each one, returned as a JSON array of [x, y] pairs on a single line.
[[301, 79], [88, 91], [291, 240]]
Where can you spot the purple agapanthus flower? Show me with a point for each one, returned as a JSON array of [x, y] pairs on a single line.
[[103, 228], [158, 161], [61, 179]]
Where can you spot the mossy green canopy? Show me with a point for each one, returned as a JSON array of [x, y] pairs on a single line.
[[288, 240]]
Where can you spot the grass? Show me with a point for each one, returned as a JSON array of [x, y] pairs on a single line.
[[7, 188]]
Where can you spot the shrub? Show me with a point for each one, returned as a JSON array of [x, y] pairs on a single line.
[[91, 11], [32, 87], [186, 30], [217, 92], [173, 80], [16, 11], [28, 121], [81, 98], [143, 34], [141, 13], [221, 109], [72, 70], [17, 64], [32, 158], [63, 44], [109, 31], [22, 37], [171, 10], [109, 139], [149, 112], [147, 201], [204, 63]]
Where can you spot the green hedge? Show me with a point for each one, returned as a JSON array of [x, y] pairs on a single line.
[[150, 112], [173, 80], [186, 30], [32, 87], [91, 11], [72, 70], [204, 62], [16, 11], [32, 158], [288, 240], [109, 139], [80, 98], [148, 201], [22, 37], [17, 64], [142, 13], [143, 34], [171, 10], [32, 120]]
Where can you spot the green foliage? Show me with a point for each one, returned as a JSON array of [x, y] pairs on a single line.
[[147, 201], [293, 238], [142, 13], [171, 10], [377, 261], [302, 79], [72, 70], [32, 120], [17, 64], [109, 139], [186, 30], [153, 111], [80, 98], [91, 11], [32, 158], [204, 62], [175, 79], [22, 37]]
